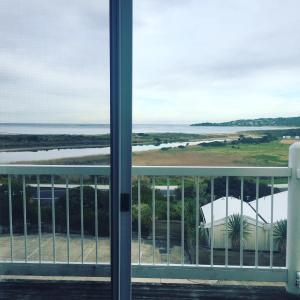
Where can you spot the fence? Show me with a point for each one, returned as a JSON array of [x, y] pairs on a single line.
[[153, 255]]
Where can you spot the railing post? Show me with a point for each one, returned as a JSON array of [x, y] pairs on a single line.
[[293, 227]]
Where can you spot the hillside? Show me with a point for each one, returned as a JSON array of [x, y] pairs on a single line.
[[292, 121]]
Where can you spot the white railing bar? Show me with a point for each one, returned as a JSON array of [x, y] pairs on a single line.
[[153, 220], [211, 171], [212, 198], [206, 272], [87, 263], [81, 219], [68, 218], [53, 219], [168, 220], [96, 219], [25, 217], [197, 219], [226, 225], [54, 170], [182, 220], [256, 222], [242, 225], [201, 272], [10, 219], [139, 220], [39, 217], [271, 230], [148, 171]]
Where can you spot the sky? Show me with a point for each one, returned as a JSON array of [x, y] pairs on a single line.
[[193, 60]]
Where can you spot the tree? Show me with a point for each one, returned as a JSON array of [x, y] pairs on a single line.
[[234, 230], [146, 218], [17, 206], [280, 235], [88, 211]]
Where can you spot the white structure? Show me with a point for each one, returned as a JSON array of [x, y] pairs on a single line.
[[280, 201], [165, 189], [101, 187], [264, 206], [219, 216], [282, 187]]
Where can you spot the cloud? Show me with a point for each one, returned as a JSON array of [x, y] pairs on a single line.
[[54, 61], [208, 57], [193, 60]]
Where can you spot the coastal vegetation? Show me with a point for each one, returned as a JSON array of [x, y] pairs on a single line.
[[251, 148], [242, 139], [273, 153], [266, 154], [278, 133], [248, 148], [291, 121], [22, 142]]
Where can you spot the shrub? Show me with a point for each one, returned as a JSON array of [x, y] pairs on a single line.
[[234, 230], [280, 235]]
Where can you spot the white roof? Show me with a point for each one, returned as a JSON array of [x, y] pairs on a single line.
[[71, 186], [166, 187], [234, 207], [280, 201]]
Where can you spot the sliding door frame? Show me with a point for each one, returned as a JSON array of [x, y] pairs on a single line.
[[121, 150]]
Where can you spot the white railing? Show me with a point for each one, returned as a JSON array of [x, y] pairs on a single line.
[[150, 267]]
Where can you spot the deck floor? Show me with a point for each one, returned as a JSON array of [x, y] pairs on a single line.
[[32, 289]]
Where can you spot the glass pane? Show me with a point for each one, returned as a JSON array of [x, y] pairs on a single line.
[[215, 85], [55, 110]]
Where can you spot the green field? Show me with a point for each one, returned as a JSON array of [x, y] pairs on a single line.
[[265, 154], [273, 154]]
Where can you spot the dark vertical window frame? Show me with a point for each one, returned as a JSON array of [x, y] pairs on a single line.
[[121, 152]]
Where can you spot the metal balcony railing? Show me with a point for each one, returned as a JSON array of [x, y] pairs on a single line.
[[79, 251]]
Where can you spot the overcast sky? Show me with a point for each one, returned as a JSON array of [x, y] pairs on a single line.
[[194, 60]]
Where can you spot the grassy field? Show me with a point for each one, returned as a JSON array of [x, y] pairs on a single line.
[[265, 154]]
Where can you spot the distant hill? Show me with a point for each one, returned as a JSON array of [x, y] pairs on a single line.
[[292, 121]]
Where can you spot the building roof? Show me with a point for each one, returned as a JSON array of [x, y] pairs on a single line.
[[280, 202], [249, 209], [166, 187], [70, 186], [234, 207]]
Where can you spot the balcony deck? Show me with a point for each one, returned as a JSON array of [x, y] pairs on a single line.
[[43, 289]]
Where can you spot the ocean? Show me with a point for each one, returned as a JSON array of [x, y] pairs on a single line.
[[92, 129]]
